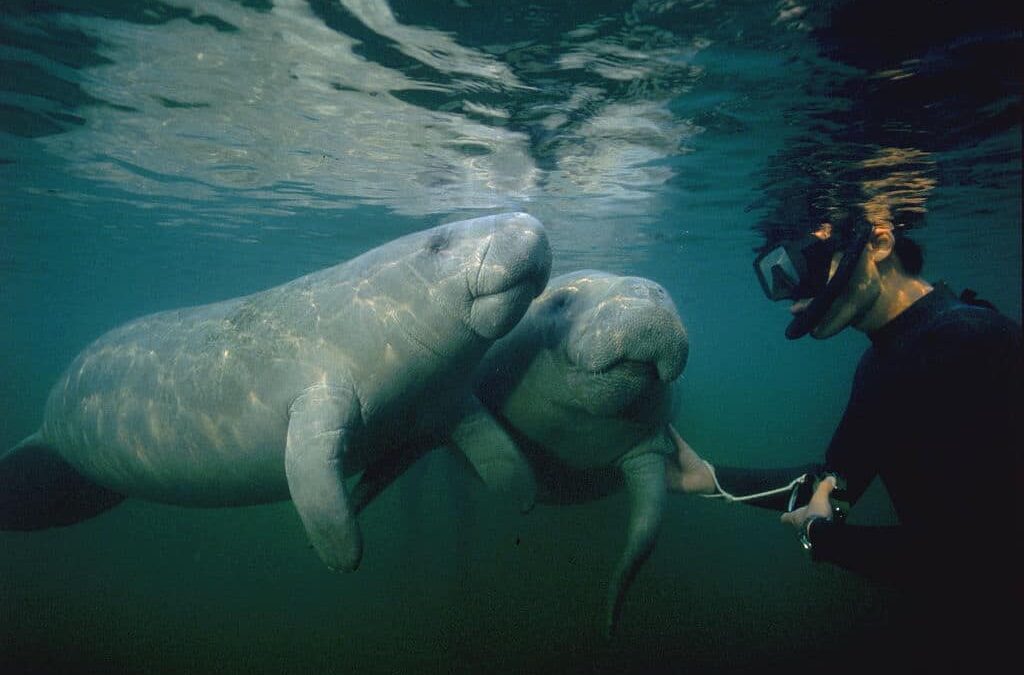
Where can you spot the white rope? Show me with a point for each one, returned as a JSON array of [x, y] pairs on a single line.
[[727, 496]]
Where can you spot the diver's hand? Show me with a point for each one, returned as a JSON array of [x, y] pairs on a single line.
[[686, 471], [818, 507]]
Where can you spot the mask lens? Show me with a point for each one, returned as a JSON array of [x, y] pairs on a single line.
[[778, 274], [795, 269]]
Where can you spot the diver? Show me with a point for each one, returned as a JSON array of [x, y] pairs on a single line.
[[934, 412]]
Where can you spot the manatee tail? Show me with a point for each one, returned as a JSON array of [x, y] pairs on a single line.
[[645, 482], [38, 489]]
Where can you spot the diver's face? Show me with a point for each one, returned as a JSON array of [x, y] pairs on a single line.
[[852, 304]]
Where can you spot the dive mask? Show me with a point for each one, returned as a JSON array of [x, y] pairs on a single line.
[[795, 269], [799, 269]]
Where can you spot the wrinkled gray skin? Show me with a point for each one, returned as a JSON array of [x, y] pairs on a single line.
[[584, 384], [282, 393]]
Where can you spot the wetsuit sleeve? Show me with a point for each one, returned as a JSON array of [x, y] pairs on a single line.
[[853, 451], [743, 482], [883, 554]]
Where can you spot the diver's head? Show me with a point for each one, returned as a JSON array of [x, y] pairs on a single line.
[[827, 207], [836, 274], [813, 271]]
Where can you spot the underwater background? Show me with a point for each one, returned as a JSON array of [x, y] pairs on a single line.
[[163, 154]]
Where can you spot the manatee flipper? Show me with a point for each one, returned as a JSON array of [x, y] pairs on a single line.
[[645, 481], [494, 456], [320, 426], [39, 489]]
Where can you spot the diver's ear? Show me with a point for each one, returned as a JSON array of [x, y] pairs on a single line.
[[882, 243]]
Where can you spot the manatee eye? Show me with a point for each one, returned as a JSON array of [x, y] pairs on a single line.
[[558, 301], [438, 242]]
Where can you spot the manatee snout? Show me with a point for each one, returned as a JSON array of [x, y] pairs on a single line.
[[636, 321], [514, 268]]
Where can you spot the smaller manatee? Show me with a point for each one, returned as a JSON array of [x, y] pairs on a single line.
[[584, 385]]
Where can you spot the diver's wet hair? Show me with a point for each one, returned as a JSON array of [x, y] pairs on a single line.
[[851, 187], [910, 253]]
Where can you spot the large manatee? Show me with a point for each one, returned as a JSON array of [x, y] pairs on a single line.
[[286, 392], [584, 384]]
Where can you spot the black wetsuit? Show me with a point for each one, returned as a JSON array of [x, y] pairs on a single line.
[[935, 412]]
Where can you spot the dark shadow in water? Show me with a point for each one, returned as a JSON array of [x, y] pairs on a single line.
[[928, 79]]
